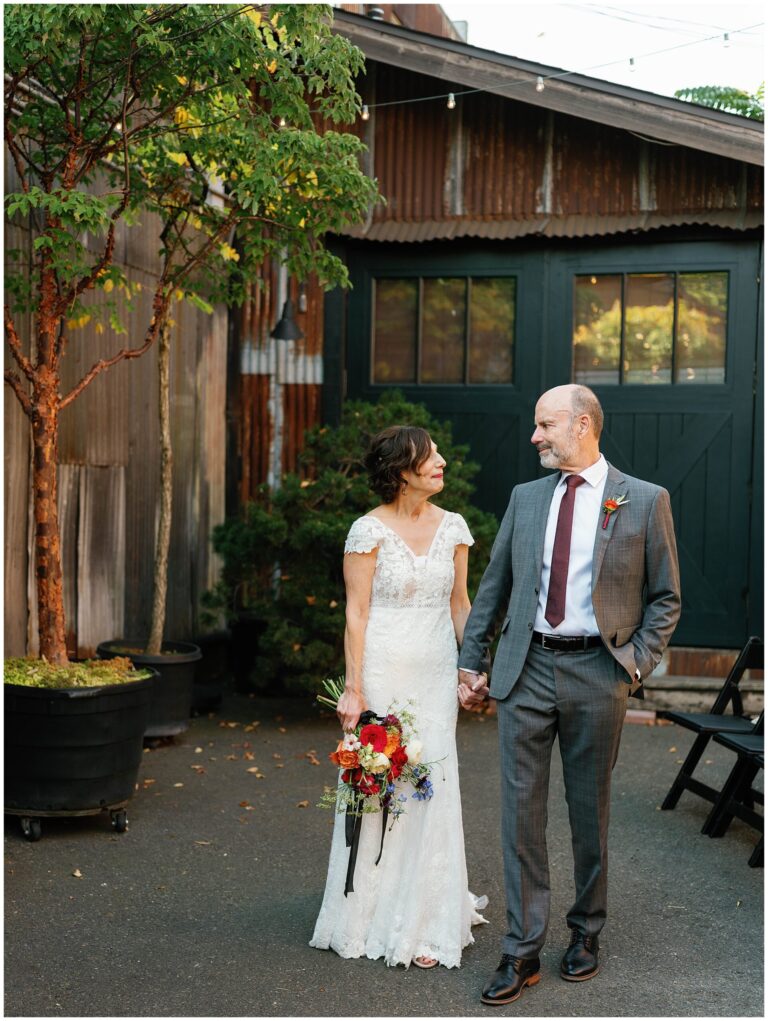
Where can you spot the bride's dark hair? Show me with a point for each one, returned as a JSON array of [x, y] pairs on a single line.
[[394, 450]]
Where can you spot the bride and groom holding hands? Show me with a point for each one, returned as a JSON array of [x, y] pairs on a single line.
[[584, 568]]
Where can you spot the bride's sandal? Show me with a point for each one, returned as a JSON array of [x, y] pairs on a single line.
[[425, 962]]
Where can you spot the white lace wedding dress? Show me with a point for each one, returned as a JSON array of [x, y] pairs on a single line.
[[415, 902]]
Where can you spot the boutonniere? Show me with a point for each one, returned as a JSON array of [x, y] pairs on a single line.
[[611, 506]]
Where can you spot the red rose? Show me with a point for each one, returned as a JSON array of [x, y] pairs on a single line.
[[610, 505], [399, 758], [368, 785], [375, 735], [352, 776]]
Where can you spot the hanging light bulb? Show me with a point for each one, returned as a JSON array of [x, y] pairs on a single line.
[[365, 113], [539, 84], [451, 101], [631, 63], [726, 40]]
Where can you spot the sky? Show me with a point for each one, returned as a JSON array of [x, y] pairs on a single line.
[[586, 36]]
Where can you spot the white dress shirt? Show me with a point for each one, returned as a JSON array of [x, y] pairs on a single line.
[[579, 615]]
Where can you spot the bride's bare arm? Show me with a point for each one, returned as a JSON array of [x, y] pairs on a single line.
[[460, 604], [358, 578]]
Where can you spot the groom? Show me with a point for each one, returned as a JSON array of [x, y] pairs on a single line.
[[585, 564]]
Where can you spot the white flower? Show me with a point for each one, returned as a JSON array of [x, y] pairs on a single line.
[[379, 763], [350, 743], [414, 751]]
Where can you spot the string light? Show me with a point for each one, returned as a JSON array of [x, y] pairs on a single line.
[[541, 80], [366, 114], [282, 122]]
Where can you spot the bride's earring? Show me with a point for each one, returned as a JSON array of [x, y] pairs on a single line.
[[405, 486]]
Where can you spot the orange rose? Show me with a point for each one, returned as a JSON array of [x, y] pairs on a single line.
[[393, 741], [342, 757]]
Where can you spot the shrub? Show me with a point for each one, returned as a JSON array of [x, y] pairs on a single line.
[[92, 673], [283, 557]]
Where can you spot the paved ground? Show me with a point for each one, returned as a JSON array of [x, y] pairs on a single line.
[[205, 906]]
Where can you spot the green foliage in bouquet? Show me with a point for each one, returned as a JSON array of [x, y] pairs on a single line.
[[283, 557]]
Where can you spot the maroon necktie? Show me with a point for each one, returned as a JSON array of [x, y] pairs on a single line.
[[561, 553]]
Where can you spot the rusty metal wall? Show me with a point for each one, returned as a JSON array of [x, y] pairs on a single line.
[[494, 160], [109, 472]]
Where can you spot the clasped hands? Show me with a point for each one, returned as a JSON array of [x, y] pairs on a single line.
[[473, 689]]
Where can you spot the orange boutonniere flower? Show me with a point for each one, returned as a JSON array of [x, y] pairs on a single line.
[[611, 506]]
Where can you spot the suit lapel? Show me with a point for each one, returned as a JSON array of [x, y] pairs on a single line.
[[541, 512], [616, 486]]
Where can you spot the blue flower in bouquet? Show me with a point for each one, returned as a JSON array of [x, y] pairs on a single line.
[[424, 789], [390, 788]]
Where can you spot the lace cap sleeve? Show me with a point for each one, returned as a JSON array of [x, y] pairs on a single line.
[[461, 532], [362, 537]]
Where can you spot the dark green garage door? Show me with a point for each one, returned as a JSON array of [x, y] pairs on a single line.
[[666, 335]]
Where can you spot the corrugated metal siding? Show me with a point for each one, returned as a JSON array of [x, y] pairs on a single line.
[[110, 433], [491, 160]]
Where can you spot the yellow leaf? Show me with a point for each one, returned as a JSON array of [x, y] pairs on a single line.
[[301, 222], [138, 286], [179, 295], [177, 157], [83, 320], [181, 79], [302, 804], [180, 115], [254, 16], [99, 328], [275, 18], [311, 600], [109, 285], [227, 252], [272, 66]]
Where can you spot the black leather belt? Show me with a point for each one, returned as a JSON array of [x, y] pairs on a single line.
[[564, 643]]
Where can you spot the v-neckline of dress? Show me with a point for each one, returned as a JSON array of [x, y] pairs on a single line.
[[416, 556]]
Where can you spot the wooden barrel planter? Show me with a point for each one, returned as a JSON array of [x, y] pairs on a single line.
[[171, 704], [73, 751]]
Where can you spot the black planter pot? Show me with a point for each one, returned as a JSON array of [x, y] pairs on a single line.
[[73, 751], [171, 704]]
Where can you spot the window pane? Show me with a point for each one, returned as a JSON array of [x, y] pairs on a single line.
[[442, 330], [394, 333], [701, 320], [648, 321], [492, 330], [597, 329]]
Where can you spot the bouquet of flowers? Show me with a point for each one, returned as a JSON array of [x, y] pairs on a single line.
[[378, 753]]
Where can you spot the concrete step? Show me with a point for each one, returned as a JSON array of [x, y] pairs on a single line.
[[694, 694]]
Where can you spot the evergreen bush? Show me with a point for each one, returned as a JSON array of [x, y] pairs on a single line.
[[283, 556]]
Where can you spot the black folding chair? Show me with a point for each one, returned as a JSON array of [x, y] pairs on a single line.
[[738, 796], [715, 721]]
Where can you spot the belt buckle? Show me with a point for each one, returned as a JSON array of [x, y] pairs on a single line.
[[545, 640]]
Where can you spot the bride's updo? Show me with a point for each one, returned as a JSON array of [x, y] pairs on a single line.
[[395, 450]]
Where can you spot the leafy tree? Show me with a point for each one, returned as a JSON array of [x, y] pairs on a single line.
[[114, 111], [725, 97], [301, 527]]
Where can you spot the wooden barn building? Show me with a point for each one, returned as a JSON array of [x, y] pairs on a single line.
[[532, 236]]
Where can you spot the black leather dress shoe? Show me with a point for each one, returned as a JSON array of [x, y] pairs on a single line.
[[580, 959], [510, 978]]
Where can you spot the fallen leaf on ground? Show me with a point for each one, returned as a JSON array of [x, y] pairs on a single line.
[[203, 843], [313, 759], [279, 765], [256, 772], [77, 874], [282, 730], [276, 755], [249, 756], [198, 751], [178, 785], [198, 769], [228, 723], [673, 749], [302, 804], [232, 758]]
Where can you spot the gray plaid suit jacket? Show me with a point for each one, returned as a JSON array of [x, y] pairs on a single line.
[[635, 581]]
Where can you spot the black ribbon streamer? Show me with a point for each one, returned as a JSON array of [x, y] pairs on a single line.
[[354, 821]]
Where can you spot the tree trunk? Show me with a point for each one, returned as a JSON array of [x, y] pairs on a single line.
[[50, 595], [166, 493]]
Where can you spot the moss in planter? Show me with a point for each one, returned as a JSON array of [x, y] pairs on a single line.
[[92, 673]]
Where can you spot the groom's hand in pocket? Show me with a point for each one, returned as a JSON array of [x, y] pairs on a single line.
[[473, 689]]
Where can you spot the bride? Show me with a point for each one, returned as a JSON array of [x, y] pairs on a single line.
[[405, 569]]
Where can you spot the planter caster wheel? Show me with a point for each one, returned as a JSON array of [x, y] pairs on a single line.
[[31, 828], [120, 821]]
